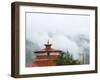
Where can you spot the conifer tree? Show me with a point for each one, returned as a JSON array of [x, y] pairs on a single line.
[[66, 58]]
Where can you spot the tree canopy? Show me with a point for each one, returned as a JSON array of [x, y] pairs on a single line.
[[66, 58]]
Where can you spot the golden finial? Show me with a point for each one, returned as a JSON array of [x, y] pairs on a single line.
[[48, 42], [48, 45]]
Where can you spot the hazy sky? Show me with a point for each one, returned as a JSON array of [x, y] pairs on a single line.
[[58, 28]]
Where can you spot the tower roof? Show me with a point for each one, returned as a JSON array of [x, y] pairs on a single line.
[[47, 49]]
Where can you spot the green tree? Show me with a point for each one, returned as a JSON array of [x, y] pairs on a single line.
[[66, 58]]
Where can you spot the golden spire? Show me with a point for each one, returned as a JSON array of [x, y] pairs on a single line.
[[48, 45], [48, 42]]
